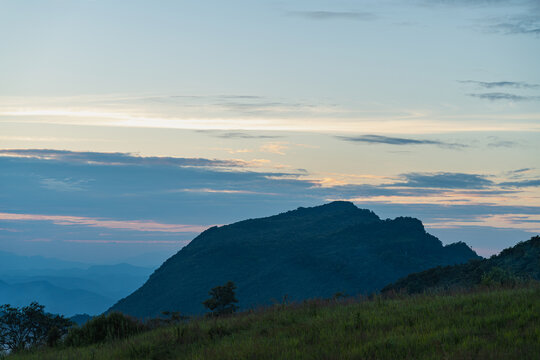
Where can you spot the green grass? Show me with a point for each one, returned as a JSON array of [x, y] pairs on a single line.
[[496, 324]]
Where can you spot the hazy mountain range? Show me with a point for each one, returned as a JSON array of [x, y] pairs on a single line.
[[66, 287]]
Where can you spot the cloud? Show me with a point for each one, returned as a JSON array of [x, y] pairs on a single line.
[[124, 242], [67, 184], [466, 2], [238, 135], [523, 183], [335, 15], [98, 158], [518, 173], [224, 191], [260, 108], [139, 188], [496, 84], [379, 139], [445, 180], [503, 143], [528, 222], [274, 148], [136, 225], [524, 24], [496, 96]]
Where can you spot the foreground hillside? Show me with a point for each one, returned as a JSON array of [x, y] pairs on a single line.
[[306, 253], [496, 324], [516, 264]]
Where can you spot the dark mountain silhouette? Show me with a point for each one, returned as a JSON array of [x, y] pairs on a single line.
[[521, 262], [305, 253]]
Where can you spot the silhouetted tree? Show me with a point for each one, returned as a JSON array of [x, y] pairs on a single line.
[[29, 326], [222, 299]]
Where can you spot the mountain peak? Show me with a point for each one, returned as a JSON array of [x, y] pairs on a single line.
[[342, 209], [338, 205]]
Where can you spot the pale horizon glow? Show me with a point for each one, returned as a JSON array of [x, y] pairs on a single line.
[[400, 125]]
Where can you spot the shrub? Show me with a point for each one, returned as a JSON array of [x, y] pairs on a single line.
[[104, 328], [497, 277]]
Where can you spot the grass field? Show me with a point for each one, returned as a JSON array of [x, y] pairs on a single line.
[[489, 324]]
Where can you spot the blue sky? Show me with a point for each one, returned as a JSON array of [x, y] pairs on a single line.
[[128, 127]]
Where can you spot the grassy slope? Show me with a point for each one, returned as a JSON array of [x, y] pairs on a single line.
[[497, 324]]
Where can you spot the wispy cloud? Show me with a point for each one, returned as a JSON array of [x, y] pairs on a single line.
[[224, 191], [504, 84], [335, 15], [518, 172], [274, 148], [529, 222], [126, 242], [66, 184], [524, 24], [114, 158], [466, 2], [497, 96], [379, 139], [446, 180], [136, 225], [238, 135], [503, 144], [521, 184]]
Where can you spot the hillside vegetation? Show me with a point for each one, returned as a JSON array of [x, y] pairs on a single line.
[[513, 265], [306, 253], [490, 324]]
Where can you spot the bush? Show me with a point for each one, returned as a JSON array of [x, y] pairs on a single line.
[[499, 277], [104, 328]]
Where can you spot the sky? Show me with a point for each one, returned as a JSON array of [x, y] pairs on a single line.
[[128, 127]]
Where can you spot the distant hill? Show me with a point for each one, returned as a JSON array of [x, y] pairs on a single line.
[[10, 262], [57, 300], [305, 253], [80, 319], [66, 287], [520, 262]]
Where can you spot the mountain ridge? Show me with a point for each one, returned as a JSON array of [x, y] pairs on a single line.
[[518, 263]]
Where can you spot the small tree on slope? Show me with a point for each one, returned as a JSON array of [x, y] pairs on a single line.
[[222, 299]]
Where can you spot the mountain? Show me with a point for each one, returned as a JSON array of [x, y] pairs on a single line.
[[80, 319], [66, 287], [305, 253], [520, 262], [10, 263], [56, 300], [112, 281]]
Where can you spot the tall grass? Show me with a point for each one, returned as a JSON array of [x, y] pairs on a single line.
[[492, 324]]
